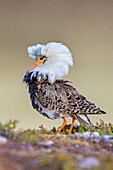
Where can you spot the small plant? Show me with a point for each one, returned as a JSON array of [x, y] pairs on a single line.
[[102, 128], [8, 126], [9, 131]]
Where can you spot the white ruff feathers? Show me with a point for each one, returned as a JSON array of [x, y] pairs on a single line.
[[59, 58]]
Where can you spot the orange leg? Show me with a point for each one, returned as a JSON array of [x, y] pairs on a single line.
[[64, 123], [71, 126]]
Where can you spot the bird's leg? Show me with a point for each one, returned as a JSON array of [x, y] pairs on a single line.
[[64, 123], [71, 126], [88, 119]]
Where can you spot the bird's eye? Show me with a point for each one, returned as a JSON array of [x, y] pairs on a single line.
[[41, 58]]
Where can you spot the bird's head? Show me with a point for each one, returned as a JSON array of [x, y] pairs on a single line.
[[52, 61]]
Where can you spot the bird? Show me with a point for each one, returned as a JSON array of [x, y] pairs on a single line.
[[52, 96]]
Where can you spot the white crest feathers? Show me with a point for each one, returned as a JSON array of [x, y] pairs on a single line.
[[59, 58]]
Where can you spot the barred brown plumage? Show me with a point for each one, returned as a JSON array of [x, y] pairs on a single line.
[[59, 98]]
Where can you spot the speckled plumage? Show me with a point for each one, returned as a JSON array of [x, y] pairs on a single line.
[[51, 96], [58, 99]]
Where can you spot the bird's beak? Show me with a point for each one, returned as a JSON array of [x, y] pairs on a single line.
[[35, 65]]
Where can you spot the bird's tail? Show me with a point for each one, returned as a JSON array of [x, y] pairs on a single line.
[[83, 119]]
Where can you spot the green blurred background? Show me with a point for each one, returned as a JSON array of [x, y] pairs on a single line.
[[85, 26]]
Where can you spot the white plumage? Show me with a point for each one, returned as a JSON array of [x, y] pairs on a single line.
[[59, 58]]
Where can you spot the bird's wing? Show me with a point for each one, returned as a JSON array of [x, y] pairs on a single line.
[[61, 99], [80, 103]]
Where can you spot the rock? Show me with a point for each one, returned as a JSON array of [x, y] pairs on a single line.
[[3, 140], [106, 137], [96, 139], [95, 135], [88, 162], [47, 144], [77, 135], [110, 136], [16, 130], [77, 146], [86, 135], [30, 148]]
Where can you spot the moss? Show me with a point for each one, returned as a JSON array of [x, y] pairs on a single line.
[[8, 130], [62, 161], [42, 149]]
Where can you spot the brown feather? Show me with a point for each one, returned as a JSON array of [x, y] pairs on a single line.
[[59, 99]]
